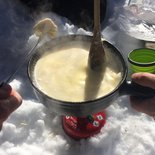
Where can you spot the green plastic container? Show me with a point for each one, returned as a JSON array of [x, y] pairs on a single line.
[[142, 60]]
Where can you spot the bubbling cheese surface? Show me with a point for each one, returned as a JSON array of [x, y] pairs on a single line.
[[64, 75]]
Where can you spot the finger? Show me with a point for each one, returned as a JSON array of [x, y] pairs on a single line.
[[10, 100], [16, 95], [144, 79], [143, 105], [5, 91], [7, 106]]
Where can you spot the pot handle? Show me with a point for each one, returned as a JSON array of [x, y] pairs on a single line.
[[133, 89]]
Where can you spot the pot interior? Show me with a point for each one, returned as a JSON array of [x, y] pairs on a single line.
[[113, 55]]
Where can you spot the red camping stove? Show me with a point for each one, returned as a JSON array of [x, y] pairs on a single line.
[[84, 127]]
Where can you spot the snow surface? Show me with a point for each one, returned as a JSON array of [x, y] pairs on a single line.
[[31, 129]]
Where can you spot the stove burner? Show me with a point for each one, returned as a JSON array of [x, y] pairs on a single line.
[[84, 127]]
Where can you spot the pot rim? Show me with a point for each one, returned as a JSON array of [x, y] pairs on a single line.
[[69, 103]]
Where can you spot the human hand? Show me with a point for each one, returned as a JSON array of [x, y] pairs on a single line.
[[10, 100], [145, 105]]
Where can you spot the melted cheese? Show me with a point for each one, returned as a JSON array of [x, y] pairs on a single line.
[[64, 75]]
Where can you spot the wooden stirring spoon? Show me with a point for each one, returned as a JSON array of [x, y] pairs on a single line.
[[96, 59]]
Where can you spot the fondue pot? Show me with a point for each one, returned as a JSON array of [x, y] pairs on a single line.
[[85, 108], [85, 119]]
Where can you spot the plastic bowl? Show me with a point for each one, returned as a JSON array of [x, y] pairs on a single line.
[[142, 60]]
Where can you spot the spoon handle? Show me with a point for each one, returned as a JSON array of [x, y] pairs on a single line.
[[97, 26], [96, 59], [133, 89]]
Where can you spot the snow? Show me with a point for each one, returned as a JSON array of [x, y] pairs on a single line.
[[31, 129]]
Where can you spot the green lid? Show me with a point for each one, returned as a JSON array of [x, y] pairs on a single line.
[[142, 60], [142, 57]]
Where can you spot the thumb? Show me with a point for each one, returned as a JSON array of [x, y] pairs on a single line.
[[144, 79]]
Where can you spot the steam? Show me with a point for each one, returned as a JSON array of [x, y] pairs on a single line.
[[14, 31], [116, 32], [16, 37]]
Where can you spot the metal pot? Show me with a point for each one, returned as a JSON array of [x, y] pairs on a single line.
[[92, 106]]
